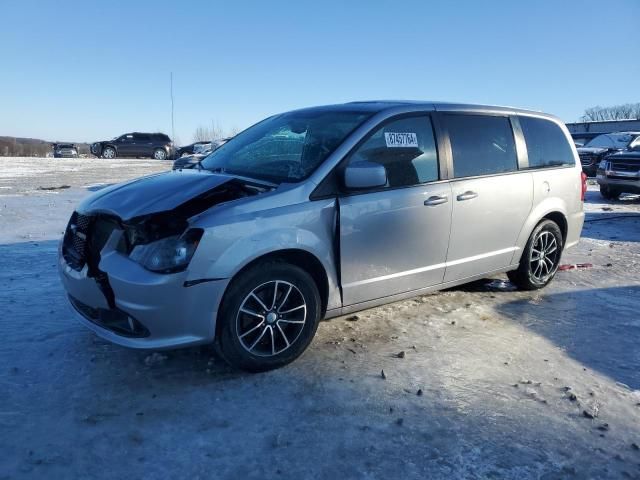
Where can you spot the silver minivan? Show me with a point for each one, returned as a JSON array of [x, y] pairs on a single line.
[[321, 212]]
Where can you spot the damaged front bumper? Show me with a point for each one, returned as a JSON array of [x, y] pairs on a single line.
[[141, 309]]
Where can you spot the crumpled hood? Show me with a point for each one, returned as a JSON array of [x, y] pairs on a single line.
[[592, 150], [152, 194]]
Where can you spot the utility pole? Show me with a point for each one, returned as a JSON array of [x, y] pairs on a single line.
[[173, 128]]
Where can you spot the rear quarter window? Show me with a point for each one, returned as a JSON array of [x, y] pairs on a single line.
[[547, 146]]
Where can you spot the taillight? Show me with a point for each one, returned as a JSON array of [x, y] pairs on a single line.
[[583, 176]]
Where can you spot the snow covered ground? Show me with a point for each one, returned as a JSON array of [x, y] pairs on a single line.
[[493, 383]]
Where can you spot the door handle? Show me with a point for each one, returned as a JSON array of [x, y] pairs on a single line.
[[435, 200], [468, 195]]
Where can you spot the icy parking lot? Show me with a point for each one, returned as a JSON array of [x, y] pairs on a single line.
[[479, 382]]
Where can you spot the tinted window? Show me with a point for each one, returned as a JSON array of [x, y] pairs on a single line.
[[406, 148], [481, 145], [547, 145], [143, 137]]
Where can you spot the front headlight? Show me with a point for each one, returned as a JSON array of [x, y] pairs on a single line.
[[603, 165], [168, 255]]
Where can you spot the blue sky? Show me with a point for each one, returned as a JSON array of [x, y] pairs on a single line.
[[83, 70]]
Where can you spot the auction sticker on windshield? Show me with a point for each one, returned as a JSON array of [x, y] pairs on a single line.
[[402, 140]]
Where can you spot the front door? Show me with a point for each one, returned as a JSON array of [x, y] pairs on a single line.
[[491, 198], [395, 239]]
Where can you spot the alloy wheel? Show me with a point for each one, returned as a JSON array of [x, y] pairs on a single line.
[[545, 256], [271, 318]]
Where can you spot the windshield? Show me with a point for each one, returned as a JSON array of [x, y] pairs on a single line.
[[286, 147], [611, 140]]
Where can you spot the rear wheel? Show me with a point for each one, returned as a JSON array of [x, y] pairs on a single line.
[[109, 152], [540, 258], [609, 193], [268, 317]]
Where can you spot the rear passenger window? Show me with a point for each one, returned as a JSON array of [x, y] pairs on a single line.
[[547, 145], [406, 148], [481, 145]]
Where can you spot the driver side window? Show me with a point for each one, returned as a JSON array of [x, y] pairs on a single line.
[[406, 148]]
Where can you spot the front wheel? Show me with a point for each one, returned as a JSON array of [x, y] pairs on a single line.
[[268, 317], [159, 154], [540, 258], [109, 152]]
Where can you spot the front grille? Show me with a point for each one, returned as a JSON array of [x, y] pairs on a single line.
[[74, 244], [625, 166], [85, 237], [587, 159]]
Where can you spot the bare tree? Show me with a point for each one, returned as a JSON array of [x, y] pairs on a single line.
[[628, 111], [211, 133], [201, 134]]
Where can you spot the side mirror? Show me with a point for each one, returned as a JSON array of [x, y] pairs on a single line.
[[363, 175]]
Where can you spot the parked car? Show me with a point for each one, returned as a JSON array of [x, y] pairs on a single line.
[[189, 149], [620, 173], [188, 161], [318, 213], [64, 150], [136, 144], [192, 161], [599, 147]]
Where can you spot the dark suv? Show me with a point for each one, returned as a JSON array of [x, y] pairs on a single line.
[[136, 144], [599, 147]]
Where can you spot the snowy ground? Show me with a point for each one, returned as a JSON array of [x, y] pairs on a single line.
[[493, 382]]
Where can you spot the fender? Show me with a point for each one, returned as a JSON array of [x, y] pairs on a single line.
[[226, 249], [545, 207]]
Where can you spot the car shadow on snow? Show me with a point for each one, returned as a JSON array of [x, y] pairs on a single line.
[[600, 327], [612, 225]]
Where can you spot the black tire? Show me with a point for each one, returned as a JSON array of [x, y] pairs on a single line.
[[235, 329], [531, 274], [159, 154], [109, 152], [609, 193]]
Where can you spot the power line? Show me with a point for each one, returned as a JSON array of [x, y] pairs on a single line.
[[173, 128]]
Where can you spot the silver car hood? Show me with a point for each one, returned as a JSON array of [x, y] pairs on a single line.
[[156, 193], [591, 150]]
